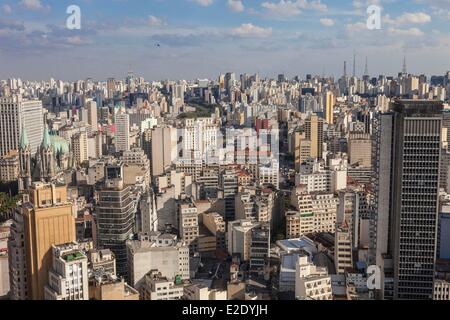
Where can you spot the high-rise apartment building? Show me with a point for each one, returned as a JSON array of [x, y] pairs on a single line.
[[122, 132], [329, 107], [403, 235], [44, 219], [92, 117], [314, 133], [160, 146], [17, 113], [68, 277], [343, 251], [188, 223], [80, 147]]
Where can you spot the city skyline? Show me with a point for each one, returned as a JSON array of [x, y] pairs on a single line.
[[200, 39]]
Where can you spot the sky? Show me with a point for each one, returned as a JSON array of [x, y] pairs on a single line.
[[189, 39]]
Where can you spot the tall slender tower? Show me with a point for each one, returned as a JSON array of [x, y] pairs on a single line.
[[366, 68], [354, 64], [404, 69], [404, 229], [24, 162]]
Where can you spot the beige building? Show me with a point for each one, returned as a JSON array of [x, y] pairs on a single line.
[[136, 166], [156, 287], [343, 257], [302, 148], [239, 237], [109, 287], [216, 225], [201, 290], [80, 147], [181, 181], [441, 290], [314, 133], [329, 107], [102, 260], [48, 221], [188, 223], [360, 149], [9, 167], [315, 213], [162, 150]]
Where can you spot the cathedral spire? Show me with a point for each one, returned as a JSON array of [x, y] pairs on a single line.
[[24, 143], [46, 142], [24, 162]]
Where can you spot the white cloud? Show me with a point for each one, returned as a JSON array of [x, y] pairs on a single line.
[[155, 21], [236, 5], [7, 9], [327, 22], [204, 3], [248, 30], [287, 8], [76, 40], [414, 32], [408, 18], [34, 5]]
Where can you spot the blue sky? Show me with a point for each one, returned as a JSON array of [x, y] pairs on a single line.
[[202, 38]]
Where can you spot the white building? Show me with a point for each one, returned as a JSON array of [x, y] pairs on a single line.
[[162, 252], [441, 290], [239, 237], [18, 114], [68, 278], [311, 282], [201, 290], [199, 137], [122, 132]]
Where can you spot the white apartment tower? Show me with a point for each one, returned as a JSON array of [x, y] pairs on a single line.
[[17, 114], [68, 277], [122, 132]]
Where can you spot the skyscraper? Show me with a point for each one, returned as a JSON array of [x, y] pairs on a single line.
[[115, 215], [16, 114], [329, 107], [406, 213], [314, 133], [92, 117], [122, 132]]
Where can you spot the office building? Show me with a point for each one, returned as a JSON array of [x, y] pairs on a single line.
[[17, 114], [404, 227], [115, 211]]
